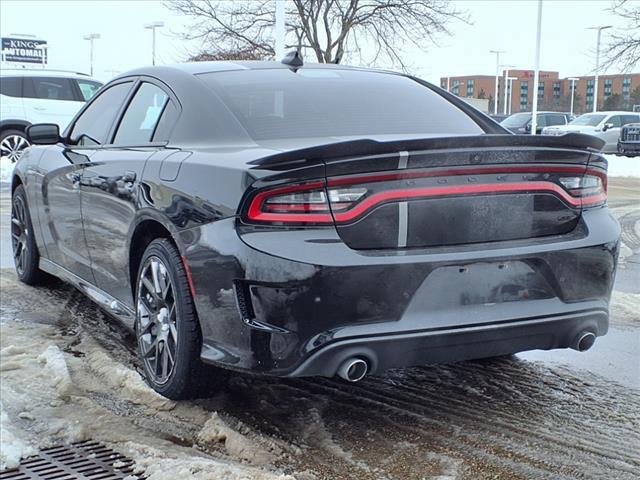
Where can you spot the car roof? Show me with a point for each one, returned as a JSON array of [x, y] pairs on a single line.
[[612, 112], [197, 68], [43, 72]]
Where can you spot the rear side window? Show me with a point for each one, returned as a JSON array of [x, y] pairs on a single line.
[[616, 120], [280, 103], [630, 119], [93, 126], [49, 88], [142, 115], [88, 88], [556, 120], [11, 86]]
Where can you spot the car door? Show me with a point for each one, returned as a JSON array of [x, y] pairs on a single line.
[[110, 188], [62, 166], [50, 100], [612, 133]]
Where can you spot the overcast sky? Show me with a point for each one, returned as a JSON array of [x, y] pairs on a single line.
[[567, 46]]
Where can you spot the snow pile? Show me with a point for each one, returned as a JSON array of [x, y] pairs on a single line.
[[56, 367], [623, 166], [12, 448], [127, 382], [159, 465], [6, 169], [238, 444]]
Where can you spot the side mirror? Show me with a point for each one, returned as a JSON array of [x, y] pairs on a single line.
[[607, 126], [528, 128], [43, 134]]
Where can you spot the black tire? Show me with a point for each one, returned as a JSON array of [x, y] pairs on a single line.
[[12, 143], [25, 250], [188, 377]]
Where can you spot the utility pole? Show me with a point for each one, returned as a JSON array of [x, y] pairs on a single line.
[[91, 37], [573, 81], [510, 83], [280, 30], [152, 26], [506, 75], [536, 77], [595, 83], [495, 96]]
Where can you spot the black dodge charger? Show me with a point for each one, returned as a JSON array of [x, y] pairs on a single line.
[[314, 220]]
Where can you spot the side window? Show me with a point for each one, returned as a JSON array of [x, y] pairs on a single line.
[[166, 123], [49, 88], [616, 120], [142, 115], [630, 119], [11, 86], [542, 121], [92, 127], [88, 88], [556, 120]]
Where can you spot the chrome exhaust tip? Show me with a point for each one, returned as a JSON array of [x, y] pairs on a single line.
[[584, 341], [353, 369]]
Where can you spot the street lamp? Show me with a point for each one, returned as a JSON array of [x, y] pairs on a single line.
[[573, 81], [595, 83], [91, 37], [495, 96], [510, 89], [152, 26], [536, 78], [506, 74]]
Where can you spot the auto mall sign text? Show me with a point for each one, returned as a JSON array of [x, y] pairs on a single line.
[[24, 50]]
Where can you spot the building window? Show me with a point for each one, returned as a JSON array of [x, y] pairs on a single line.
[[556, 89], [456, 87], [626, 87], [524, 95], [541, 90], [608, 83], [469, 88]]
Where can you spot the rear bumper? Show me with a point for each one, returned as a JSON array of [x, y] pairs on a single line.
[[628, 147], [455, 344], [299, 302]]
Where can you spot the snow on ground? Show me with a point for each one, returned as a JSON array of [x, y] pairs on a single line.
[[6, 169], [60, 386], [623, 166]]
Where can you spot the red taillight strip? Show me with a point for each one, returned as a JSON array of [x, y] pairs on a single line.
[[430, 192], [255, 212]]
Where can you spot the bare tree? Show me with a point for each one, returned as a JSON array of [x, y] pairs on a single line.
[[371, 30], [623, 48]]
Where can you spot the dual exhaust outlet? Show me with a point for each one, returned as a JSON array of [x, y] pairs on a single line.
[[354, 369]]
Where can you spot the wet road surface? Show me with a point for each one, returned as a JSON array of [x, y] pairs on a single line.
[[559, 414]]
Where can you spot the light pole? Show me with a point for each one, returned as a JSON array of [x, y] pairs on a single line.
[[573, 81], [506, 74], [280, 30], [510, 83], [595, 83], [495, 96], [91, 37], [536, 77], [152, 26]]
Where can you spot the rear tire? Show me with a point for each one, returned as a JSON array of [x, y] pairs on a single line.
[[167, 329], [25, 250]]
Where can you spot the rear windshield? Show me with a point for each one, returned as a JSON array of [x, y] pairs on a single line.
[[280, 103]]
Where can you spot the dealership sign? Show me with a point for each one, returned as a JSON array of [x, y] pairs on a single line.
[[24, 50]]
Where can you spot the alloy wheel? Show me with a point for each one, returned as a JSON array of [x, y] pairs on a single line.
[[19, 233], [12, 147], [156, 326]]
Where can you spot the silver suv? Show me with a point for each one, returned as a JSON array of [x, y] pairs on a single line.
[[38, 96]]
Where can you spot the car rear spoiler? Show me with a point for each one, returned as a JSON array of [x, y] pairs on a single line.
[[364, 147]]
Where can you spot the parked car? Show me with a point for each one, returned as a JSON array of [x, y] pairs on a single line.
[[37, 96], [520, 123], [498, 118], [629, 141], [311, 220], [604, 125]]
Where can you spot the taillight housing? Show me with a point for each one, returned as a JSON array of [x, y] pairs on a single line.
[[590, 188], [307, 203]]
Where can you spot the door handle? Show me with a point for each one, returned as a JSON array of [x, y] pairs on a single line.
[[129, 177]]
